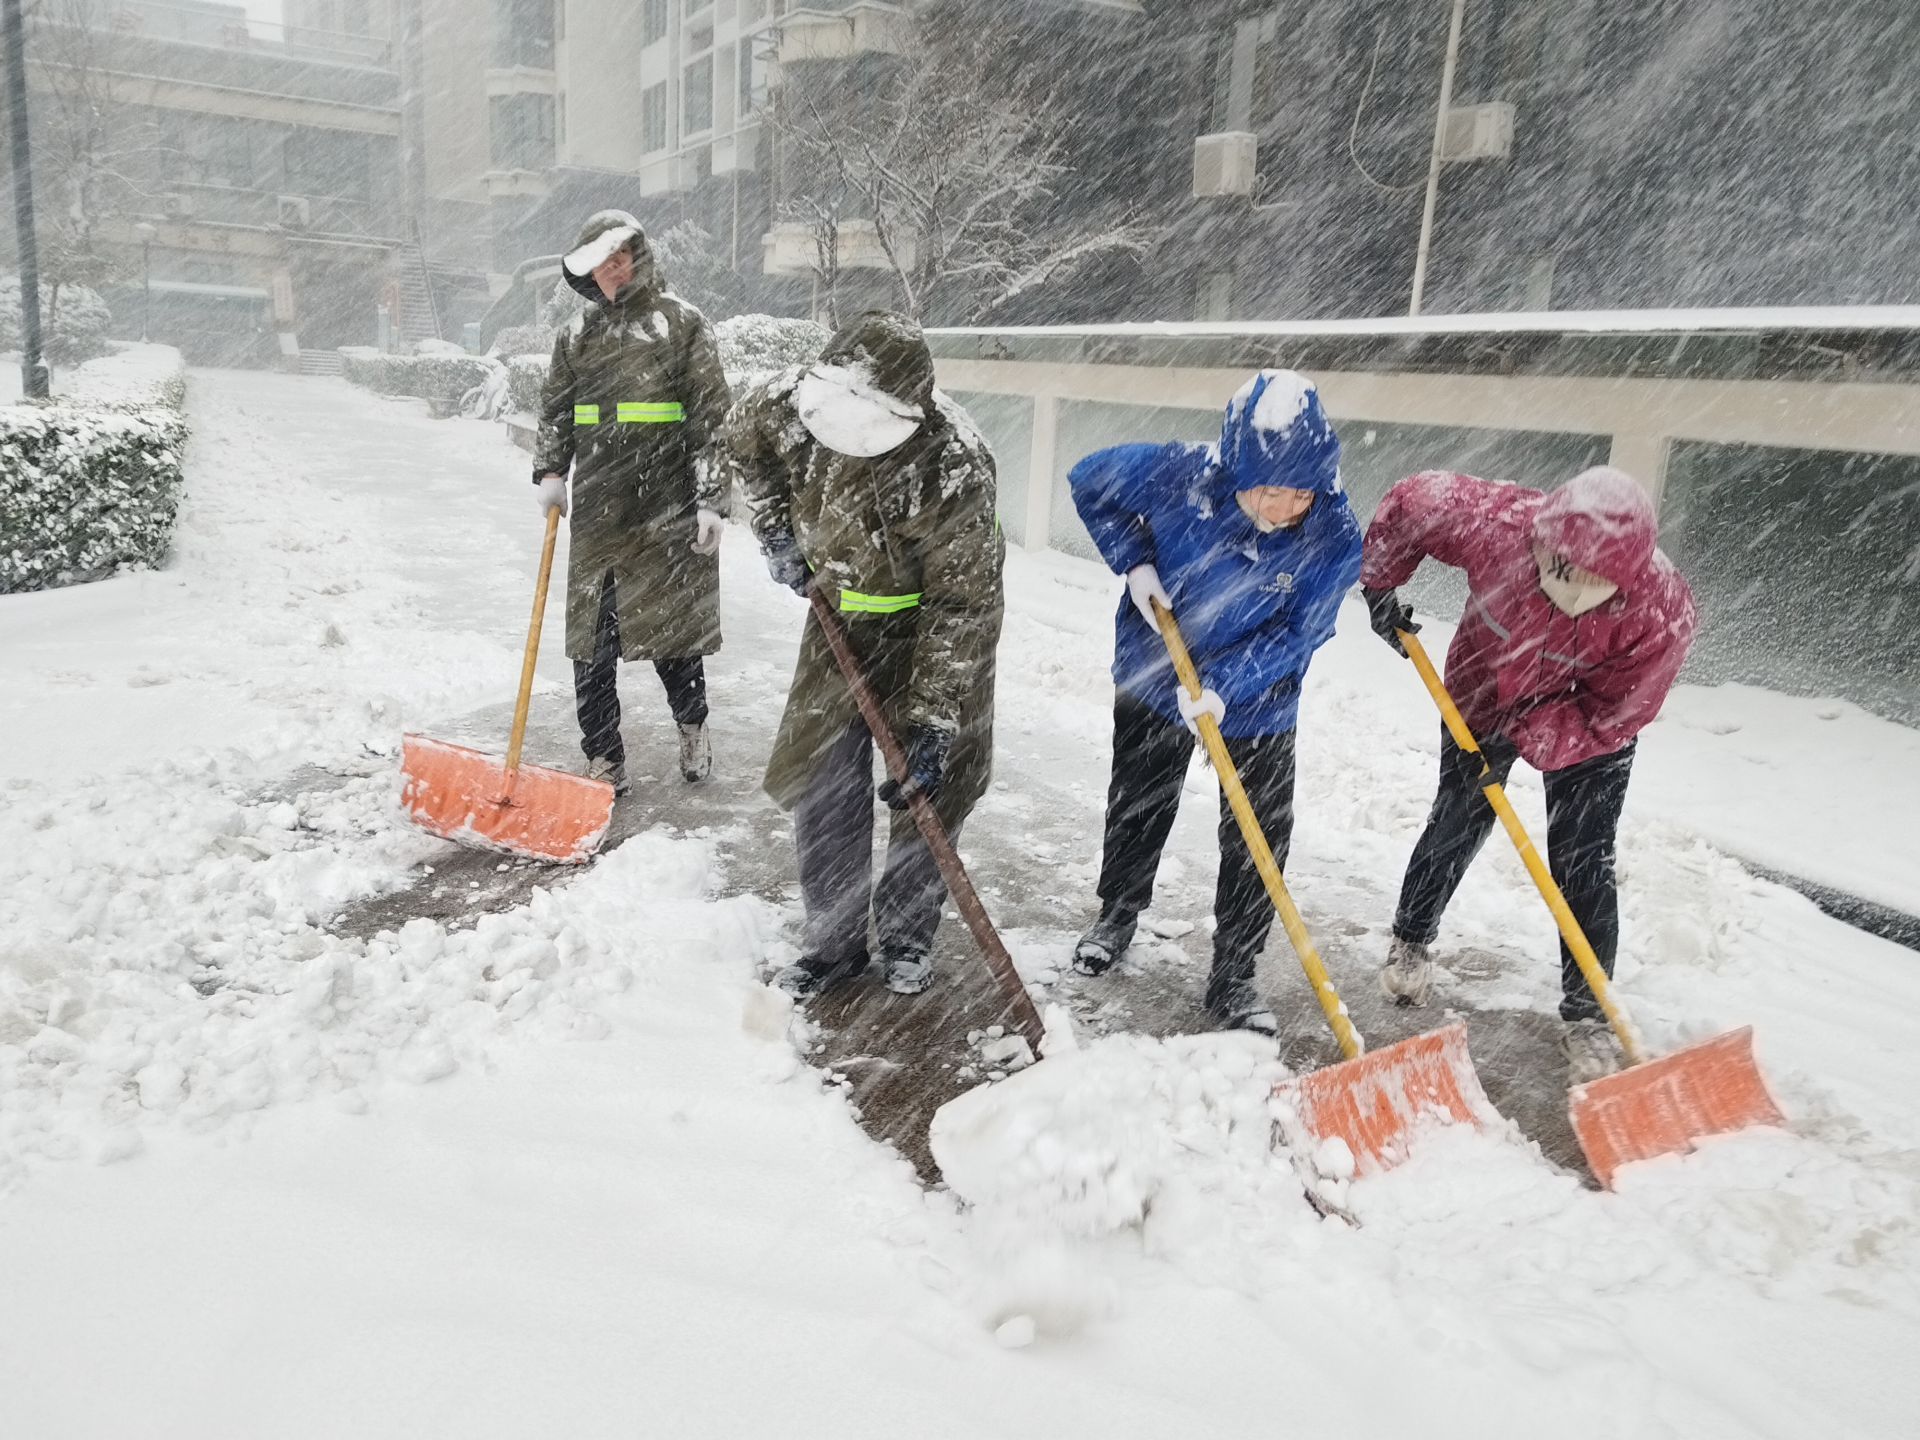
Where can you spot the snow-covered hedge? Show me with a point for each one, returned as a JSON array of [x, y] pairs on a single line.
[[429, 377], [753, 347], [78, 329], [91, 482]]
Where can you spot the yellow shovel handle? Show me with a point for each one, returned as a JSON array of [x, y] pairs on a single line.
[[522, 703], [1351, 1045], [1570, 930]]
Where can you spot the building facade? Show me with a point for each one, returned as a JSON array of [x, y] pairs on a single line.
[[232, 188]]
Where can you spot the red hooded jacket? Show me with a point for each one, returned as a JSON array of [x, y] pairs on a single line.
[[1562, 688]]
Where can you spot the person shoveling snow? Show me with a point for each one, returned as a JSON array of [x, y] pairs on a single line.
[[634, 398], [1575, 629], [1252, 544]]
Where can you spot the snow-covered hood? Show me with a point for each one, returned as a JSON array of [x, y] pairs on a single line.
[[606, 232], [1276, 433], [1601, 520], [846, 411]]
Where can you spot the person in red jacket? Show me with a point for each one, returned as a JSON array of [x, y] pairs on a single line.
[[1575, 628]]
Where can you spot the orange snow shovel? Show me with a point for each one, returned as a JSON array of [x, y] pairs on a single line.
[[1372, 1101], [475, 798], [1653, 1107]]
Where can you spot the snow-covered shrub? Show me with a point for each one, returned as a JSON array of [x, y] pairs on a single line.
[[524, 340], [76, 331], [444, 378], [91, 482], [526, 376], [753, 347], [431, 346]]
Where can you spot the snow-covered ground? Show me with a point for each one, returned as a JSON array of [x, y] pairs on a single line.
[[555, 1173]]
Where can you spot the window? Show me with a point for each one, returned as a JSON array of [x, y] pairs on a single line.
[[1236, 71], [697, 79], [521, 131], [653, 117], [753, 81], [523, 34], [328, 162], [653, 21]]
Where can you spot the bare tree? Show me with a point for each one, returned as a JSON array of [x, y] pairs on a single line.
[[956, 186], [93, 140]]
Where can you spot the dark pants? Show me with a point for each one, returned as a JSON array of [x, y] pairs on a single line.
[[1583, 813], [1150, 757], [833, 833], [596, 693]]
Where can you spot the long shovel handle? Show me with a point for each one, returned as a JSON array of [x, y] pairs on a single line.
[[525, 701], [1543, 880], [965, 898], [1351, 1045]]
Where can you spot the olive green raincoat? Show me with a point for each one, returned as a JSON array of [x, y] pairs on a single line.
[[633, 401], [908, 549]]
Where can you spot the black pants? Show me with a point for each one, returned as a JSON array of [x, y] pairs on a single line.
[[833, 833], [596, 695], [1583, 815], [1150, 756]]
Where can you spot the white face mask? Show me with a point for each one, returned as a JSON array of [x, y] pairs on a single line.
[[1572, 590], [846, 412]]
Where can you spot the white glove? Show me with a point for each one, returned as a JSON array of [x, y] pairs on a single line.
[[1143, 584], [551, 493], [712, 527], [1191, 709]]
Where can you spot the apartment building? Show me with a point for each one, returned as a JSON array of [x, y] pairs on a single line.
[[231, 187]]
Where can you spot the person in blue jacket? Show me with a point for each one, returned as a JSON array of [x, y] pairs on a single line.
[[1251, 544]]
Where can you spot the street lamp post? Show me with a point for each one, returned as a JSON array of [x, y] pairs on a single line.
[[144, 232], [34, 380], [1434, 159]]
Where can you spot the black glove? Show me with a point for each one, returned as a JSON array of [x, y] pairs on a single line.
[[785, 562], [1496, 755], [1389, 615], [927, 752]]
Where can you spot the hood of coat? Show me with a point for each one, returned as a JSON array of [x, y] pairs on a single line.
[[893, 352], [1603, 521], [1277, 433], [605, 232]]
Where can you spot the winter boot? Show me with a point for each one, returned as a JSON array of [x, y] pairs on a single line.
[[1105, 943], [1407, 977], [614, 772], [1592, 1051], [1236, 1005], [907, 972], [810, 975], [696, 752]]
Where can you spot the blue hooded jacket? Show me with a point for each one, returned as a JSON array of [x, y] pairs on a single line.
[[1252, 607]]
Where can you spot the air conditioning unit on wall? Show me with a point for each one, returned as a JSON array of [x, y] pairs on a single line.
[[295, 212], [1225, 164], [1479, 132]]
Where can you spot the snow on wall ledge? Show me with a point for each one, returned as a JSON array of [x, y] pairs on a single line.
[[91, 483]]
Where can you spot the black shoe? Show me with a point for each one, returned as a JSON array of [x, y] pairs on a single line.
[[906, 972], [1105, 942], [1236, 1005], [810, 975]]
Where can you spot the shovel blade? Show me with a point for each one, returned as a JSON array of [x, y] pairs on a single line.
[[1377, 1101], [464, 795], [1663, 1106]]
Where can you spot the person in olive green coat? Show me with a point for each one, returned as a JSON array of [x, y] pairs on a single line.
[[870, 486], [633, 401]]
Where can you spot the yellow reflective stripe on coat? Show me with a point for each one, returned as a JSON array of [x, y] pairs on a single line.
[[853, 602], [634, 412], [649, 412]]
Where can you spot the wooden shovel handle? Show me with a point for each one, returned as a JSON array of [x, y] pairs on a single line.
[[1351, 1045], [533, 648], [965, 898]]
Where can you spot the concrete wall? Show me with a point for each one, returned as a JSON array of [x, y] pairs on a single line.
[[454, 38], [599, 69]]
